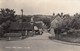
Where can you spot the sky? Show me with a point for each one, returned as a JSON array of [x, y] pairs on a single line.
[[45, 7]]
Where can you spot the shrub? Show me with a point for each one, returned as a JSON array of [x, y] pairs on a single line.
[[71, 25]]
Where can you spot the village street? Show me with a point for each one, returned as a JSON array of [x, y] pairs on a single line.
[[37, 43]]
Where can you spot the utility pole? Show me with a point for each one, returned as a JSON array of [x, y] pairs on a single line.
[[22, 21], [22, 12]]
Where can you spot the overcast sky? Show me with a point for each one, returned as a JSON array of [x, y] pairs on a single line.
[[42, 6]]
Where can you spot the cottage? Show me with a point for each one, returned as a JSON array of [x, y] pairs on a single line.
[[55, 23], [57, 20], [19, 28]]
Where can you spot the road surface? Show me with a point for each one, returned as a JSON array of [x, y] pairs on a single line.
[[37, 43]]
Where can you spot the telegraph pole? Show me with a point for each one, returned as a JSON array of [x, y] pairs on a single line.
[[22, 21], [22, 12]]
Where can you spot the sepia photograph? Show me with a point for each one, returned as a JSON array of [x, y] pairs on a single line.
[[39, 25]]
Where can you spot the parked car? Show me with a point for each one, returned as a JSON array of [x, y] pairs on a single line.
[[38, 29]]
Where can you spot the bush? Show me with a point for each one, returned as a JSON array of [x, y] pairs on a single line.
[[71, 25]]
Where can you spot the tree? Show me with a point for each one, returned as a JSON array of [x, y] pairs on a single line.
[[47, 22], [7, 16]]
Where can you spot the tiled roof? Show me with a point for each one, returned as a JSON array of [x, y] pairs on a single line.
[[20, 26]]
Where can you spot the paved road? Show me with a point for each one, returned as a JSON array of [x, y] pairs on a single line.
[[37, 43]]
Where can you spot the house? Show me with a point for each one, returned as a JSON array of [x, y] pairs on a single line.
[[27, 26], [55, 23], [56, 20]]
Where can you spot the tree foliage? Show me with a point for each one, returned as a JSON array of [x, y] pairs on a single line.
[[71, 25], [47, 22], [6, 17]]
